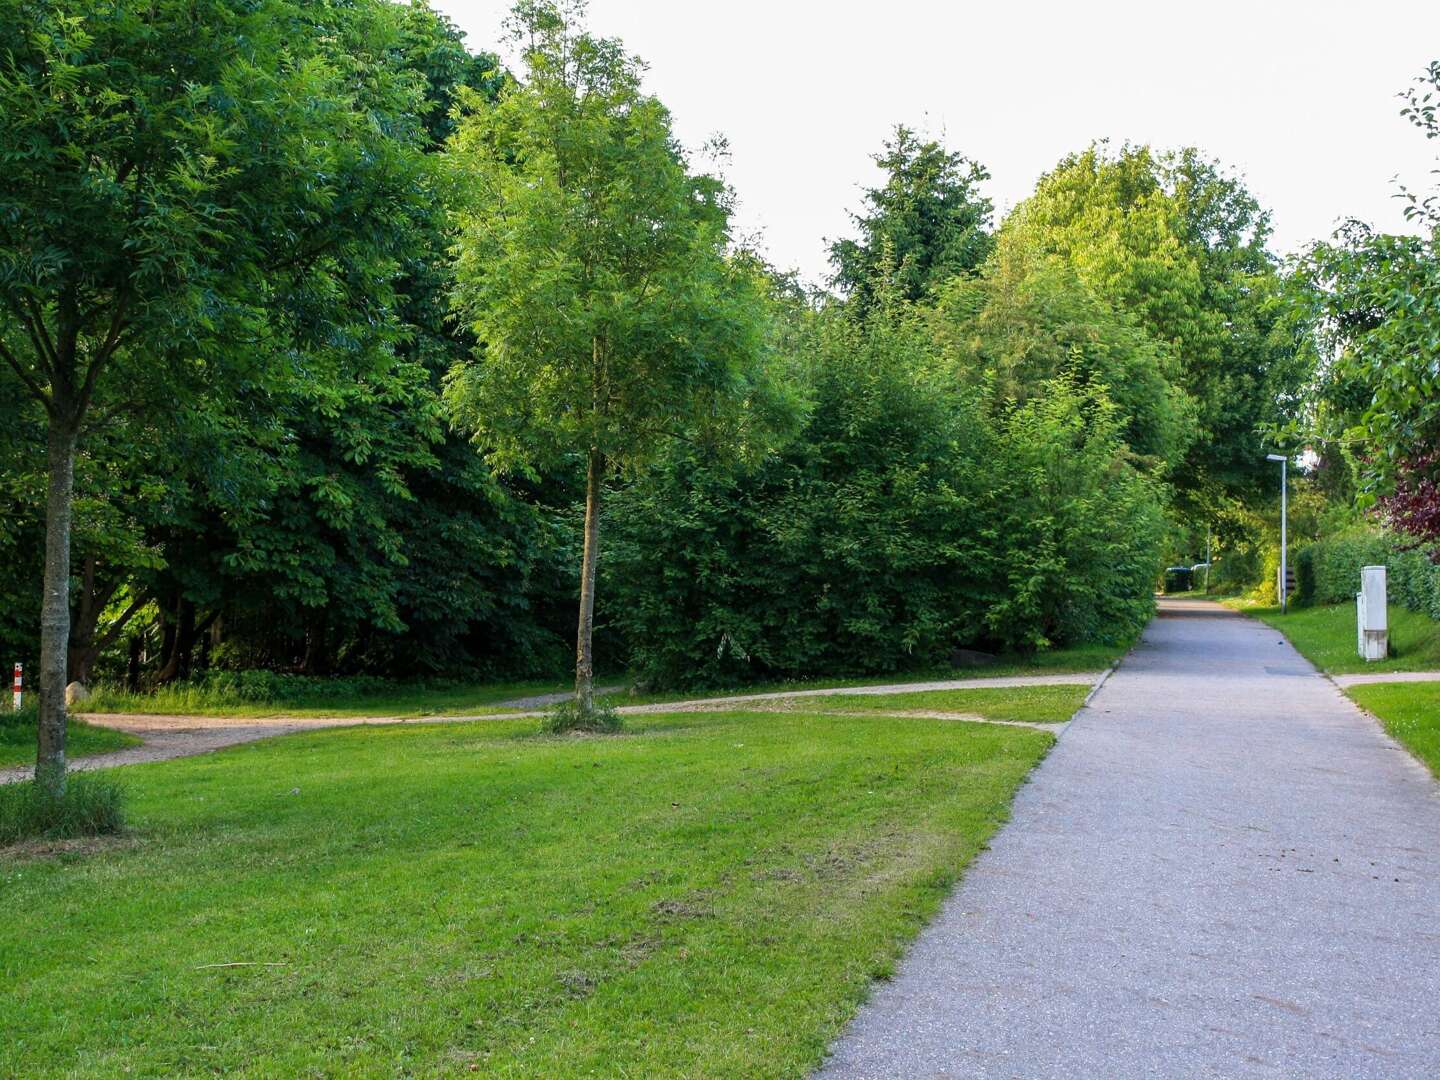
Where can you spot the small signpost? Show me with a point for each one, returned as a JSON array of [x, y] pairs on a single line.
[[19, 685], [1372, 624]]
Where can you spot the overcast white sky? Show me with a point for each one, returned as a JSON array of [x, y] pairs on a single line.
[[1299, 97]]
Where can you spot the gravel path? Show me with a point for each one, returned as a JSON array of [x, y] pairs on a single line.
[[1224, 869], [1368, 677], [1083, 678], [167, 737]]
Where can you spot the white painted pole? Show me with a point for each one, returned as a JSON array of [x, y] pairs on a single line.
[[1284, 546], [19, 685], [1284, 513]]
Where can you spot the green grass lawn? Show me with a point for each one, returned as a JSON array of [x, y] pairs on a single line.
[[1035, 704], [404, 700], [17, 742], [1326, 637], [708, 895], [1410, 713]]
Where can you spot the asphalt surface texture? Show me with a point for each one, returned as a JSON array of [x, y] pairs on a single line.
[[1223, 869]]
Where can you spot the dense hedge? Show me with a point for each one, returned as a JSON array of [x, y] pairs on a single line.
[[1328, 571], [905, 520]]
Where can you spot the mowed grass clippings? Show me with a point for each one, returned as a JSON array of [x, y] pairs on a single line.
[[1410, 712], [706, 896]]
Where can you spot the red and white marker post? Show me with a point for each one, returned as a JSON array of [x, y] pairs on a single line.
[[19, 685]]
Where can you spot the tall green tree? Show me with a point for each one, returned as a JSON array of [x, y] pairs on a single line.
[[1376, 320], [1017, 328], [192, 189], [1179, 246], [592, 269], [927, 223]]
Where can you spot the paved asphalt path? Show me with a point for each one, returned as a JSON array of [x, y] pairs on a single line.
[[1223, 869]]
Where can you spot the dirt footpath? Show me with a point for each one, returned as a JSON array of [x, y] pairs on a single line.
[[166, 737]]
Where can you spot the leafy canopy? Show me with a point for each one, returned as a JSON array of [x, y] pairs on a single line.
[[591, 266], [925, 225], [191, 189], [1179, 246], [1377, 320]]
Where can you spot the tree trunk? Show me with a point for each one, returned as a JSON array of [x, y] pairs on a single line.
[[316, 660], [85, 646], [584, 651], [55, 609], [132, 669], [168, 622], [177, 663], [82, 623]]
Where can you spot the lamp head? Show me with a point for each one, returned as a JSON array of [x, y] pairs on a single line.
[[1275, 457]]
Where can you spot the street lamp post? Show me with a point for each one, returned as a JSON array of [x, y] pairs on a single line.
[[1284, 508]]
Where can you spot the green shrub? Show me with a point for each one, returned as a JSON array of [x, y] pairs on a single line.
[[903, 521], [91, 806], [17, 729], [1332, 570], [1077, 532], [1236, 570], [1303, 560], [220, 689], [860, 548], [568, 716], [21, 718]]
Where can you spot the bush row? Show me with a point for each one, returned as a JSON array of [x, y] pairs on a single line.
[[1328, 571], [907, 519]]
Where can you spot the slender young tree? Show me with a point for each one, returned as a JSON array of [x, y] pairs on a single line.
[[190, 201], [592, 268]]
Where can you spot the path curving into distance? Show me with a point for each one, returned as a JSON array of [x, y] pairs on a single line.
[[1224, 869]]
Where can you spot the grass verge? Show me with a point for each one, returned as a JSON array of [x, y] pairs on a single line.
[[1325, 635], [1030, 704], [708, 895], [17, 739], [1410, 712]]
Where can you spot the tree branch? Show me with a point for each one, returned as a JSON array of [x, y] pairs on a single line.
[[38, 317], [43, 346], [36, 390], [113, 338], [113, 630]]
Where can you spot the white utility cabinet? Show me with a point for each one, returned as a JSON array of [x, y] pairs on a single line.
[[1372, 623]]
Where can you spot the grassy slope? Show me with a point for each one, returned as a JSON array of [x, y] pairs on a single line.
[[1034, 704], [707, 896], [17, 742], [480, 698], [1410, 713], [1326, 637]]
